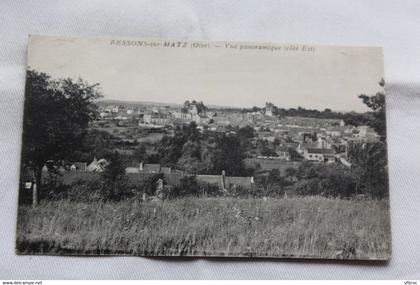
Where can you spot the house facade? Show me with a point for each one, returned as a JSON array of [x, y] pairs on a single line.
[[319, 154]]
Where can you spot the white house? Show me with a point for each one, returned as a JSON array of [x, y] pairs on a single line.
[[97, 165], [319, 154]]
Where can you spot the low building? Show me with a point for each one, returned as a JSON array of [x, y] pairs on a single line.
[[334, 132], [156, 118], [132, 169], [78, 166], [226, 182], [149, 168], [319, 154], [283, 153], [97, 165]]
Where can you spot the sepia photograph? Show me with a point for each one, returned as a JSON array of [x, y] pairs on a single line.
[[153, 147]]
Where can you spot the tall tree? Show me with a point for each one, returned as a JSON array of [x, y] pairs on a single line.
[[229, 156], [369, 159], [114, 178], [377, 104], [56, 116], [369, 167]]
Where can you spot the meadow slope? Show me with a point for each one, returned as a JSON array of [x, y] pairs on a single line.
[[295, 227]]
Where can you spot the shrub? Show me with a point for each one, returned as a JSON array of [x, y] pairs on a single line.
[[188, 186], [329, 180], [146, 186], [85, 191], [241, 192], [115, 181], [208, 189], [270, 185]]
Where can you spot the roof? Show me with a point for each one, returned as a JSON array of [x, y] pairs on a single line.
[[97, 165], [335, 129], [298, 118], [229, 180], [132, 170], [238, 181], [331, 155], [282, 148], [320, 150], [166, 169], [309, 145], [212, 179], [103, 162], [80, 165], [148, 167]]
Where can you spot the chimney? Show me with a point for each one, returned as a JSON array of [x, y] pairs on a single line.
[[223, 180], [141, 166]]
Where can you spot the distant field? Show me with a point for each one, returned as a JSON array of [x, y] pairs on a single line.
[[151, 138], [122, 132], [294, 227]]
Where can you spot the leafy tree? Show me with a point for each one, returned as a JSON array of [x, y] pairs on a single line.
[[306, 170], [148, 185], [140, 153], [369, 160], [95, 143], [56, 116], [197, 153], [230, 156], [355, 119], [210, 154], [188, 186], [266, 148], [271, 184], [369, 168], [246, 135], [199, 105], [377, 104], [190, 159], [246, 132], [290, 172], [308, 187], [329, 180], [171, 148], [115, 181]]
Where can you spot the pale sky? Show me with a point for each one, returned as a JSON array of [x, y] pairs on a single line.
[[312, 76]]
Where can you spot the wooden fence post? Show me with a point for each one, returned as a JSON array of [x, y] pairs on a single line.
[[34, 195]]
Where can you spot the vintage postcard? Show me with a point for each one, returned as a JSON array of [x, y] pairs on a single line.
[[191, 148]]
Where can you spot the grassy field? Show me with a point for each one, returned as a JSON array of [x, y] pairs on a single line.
[[295, 227]]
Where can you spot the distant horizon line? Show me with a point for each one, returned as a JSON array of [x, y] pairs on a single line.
[[222, 106]]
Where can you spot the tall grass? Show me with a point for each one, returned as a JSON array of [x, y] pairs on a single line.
[[295, 227]]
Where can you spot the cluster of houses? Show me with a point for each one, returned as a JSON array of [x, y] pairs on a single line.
[[99, 165], [296, 138], [172, 176], [164, 116], [155, 116]]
